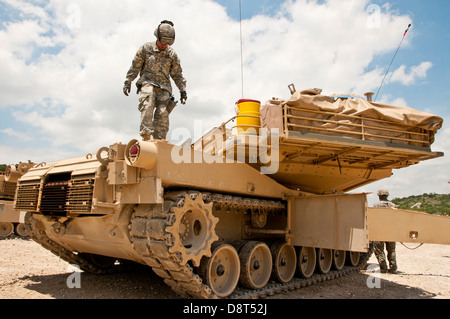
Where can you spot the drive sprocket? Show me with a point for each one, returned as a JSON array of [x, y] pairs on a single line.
[[192, 229]]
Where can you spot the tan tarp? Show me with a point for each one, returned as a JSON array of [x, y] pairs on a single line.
[[361, 107], [272, 115], [344, 116]]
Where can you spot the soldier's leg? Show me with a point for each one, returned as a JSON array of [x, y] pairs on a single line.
[[378, 249], [161, 119], [147, 101], [391, 255]]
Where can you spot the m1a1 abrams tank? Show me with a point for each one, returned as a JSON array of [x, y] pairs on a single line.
[[10, 220], [244, 211]]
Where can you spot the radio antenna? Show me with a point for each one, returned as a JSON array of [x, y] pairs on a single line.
[[242, 60], [382, 82]]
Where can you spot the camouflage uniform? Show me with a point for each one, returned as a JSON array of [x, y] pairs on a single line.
[[155, 67], [378, 246]]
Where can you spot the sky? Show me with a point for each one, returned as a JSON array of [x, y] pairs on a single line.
[[63, 64]]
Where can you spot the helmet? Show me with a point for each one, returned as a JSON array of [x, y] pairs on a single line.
[[165, 33], [383, 191]]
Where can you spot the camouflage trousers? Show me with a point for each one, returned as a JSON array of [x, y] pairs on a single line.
[[153, 105], [378, 248]]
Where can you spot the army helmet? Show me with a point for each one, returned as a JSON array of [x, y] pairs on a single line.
[[383, 191], [165, 33]]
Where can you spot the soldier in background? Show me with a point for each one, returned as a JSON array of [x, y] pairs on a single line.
[[156, 62], [379, 245]]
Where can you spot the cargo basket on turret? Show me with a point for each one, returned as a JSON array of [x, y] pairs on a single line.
[[348, 133], [352, 117]]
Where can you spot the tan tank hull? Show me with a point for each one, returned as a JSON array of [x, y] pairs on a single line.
[[11, 221], [225, 213]]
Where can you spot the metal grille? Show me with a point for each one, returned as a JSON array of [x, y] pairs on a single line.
[[80, 194], [54, 197], [9, 189], [27, 197]]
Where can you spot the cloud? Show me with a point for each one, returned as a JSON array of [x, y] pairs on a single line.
[[415, 73], [388, 99], [14, 155], [13, 133]]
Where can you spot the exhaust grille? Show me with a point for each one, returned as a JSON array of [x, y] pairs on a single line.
[[54, 197], [80, 196], [27, 197], [9, 189]]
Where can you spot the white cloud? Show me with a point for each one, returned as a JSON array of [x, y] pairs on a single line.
[[19, 135], [415, 72], [388, 99], [14, 155]]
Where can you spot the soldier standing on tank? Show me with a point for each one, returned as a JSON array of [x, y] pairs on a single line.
[[156, 62], [378, 246]]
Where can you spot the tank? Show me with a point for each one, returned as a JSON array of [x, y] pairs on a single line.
[[11, 221], [238, 213]]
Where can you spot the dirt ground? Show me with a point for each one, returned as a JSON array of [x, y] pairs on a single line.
[[28, 271]]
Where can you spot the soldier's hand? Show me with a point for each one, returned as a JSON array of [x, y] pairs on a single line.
[[127, 87], [183, 97]]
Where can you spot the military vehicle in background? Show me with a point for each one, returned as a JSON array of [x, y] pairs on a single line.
[[248, 209], [11, 221]]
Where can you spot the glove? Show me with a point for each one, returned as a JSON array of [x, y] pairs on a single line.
[[183, 97], [126, 87]]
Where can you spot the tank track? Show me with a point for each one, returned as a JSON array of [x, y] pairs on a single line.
[[153, 243], [149, 238]]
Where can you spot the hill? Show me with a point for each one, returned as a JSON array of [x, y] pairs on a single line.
[[431, 203]]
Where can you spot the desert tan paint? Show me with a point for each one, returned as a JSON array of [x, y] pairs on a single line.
[[396, 225]]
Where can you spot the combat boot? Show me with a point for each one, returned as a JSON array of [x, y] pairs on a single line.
[[393, 269], [383, 267]]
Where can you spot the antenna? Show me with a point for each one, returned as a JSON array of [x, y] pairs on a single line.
[[382, 82], [242, 61]]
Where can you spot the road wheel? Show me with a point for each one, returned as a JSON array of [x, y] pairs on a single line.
[[221, 271], [338, 259], [324, 260], [306, 261], [256, 264], [284, 261], [21, 230], [6, 229]]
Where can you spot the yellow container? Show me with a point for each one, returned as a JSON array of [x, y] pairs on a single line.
[[248, 116]]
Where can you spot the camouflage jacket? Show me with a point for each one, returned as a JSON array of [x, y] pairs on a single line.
[[384, 203], [156, 67]]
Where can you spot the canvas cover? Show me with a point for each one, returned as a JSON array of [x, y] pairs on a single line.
[[353, 117]]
